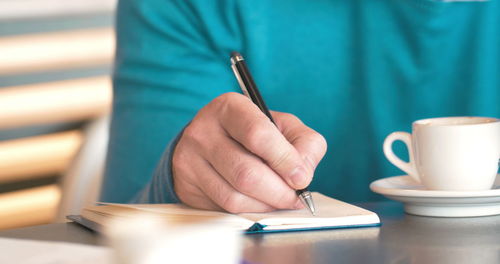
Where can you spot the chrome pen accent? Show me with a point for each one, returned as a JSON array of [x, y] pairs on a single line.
[[249, 88]]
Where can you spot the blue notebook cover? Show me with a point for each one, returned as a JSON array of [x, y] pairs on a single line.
[[255, 229]]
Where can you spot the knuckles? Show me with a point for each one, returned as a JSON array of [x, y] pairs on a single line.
[[228, 97], [225, 101], [205, 117], [256, 135], [192, 133], [245, 178], [289, 116]]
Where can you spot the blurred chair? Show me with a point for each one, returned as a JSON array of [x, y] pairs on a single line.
[[75, 157]]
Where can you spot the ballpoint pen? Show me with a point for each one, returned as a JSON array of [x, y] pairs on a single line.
[[249, 88]]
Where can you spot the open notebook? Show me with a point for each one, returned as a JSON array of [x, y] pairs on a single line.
[[330, 213]]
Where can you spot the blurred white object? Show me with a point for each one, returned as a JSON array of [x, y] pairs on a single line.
[[145, 239], [22, 251], [81, 184]]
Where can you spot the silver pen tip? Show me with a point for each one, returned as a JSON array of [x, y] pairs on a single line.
[[310, 206], [307, 200]]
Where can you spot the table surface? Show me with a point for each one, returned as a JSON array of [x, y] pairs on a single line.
[[402, 238]]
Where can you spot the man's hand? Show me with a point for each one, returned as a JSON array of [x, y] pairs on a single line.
[[232, 157]]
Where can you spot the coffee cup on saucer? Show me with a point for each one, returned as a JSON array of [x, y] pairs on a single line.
[[450, 153]]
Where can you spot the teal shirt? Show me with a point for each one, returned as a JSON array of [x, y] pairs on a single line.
[[352, 70]]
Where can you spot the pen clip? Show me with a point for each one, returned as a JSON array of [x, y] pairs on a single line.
[[240, 80]]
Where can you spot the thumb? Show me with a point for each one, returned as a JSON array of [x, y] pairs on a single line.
[[310, 144]]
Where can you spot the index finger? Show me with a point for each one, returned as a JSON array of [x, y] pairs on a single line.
[[244, 122]]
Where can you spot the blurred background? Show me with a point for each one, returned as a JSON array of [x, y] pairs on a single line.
[[55, 97]]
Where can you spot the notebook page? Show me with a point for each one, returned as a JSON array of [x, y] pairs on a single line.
[[179, 209], [172, 213], [329, 212]]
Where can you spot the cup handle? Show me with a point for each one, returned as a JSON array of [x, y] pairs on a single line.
[[408, 167]]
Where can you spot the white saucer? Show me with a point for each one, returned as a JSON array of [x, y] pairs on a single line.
[[419, 201]]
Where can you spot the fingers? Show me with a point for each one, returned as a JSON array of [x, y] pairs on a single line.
[[211, 191], [310, 144], [232, 157], [246, 173], [190, 194], [244, 122]]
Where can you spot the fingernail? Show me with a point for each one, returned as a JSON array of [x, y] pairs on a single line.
[[298, 177]]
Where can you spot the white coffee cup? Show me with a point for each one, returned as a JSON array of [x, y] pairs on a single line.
[[450, 153]]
